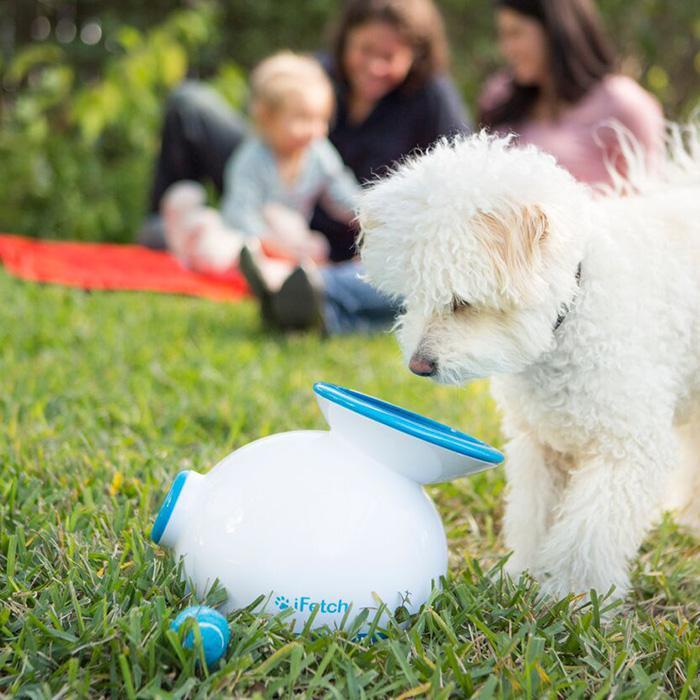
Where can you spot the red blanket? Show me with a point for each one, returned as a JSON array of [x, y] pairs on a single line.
[[110, 266]]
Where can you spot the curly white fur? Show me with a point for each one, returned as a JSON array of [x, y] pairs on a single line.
[[481, 241]]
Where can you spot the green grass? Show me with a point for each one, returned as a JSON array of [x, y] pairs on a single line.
[[104, 397]]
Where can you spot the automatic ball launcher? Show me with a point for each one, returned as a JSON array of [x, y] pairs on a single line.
[[323, 522]]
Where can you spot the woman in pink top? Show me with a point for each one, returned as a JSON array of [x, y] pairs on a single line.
[[561, 92]]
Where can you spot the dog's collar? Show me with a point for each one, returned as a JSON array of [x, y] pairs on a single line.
[[567, 307]]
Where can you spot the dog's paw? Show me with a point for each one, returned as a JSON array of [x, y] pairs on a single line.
[[572, 577], [555, 588], [515, 567]]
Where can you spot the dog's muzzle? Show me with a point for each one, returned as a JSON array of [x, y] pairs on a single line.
[[422, 366]]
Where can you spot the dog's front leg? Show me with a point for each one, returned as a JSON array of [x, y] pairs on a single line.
[[607, 507], [531, 495]]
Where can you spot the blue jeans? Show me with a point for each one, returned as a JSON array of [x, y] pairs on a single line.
[[351, 305]]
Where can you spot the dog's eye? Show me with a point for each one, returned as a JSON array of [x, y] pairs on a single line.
[[459, 304]]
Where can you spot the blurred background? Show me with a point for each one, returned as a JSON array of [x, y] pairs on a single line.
[[83, 85]]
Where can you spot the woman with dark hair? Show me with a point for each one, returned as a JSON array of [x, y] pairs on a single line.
[[389, 63], [561, 91]]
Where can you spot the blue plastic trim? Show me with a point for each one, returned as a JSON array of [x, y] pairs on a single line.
[[408, 422], [167, 508]]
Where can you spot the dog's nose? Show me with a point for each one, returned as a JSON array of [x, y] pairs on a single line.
[[422, 366]]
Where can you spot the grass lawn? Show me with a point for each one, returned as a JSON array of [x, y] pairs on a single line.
[[105, 397]]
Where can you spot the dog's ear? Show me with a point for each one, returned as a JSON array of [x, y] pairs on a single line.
[[515, 242], [535, 228]]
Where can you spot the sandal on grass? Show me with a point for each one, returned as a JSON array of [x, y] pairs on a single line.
[[299, 302], [253, 276]]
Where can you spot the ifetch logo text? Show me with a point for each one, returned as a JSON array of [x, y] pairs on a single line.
[[306, 604]]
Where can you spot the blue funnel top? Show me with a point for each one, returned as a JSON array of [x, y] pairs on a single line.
[[412, 424]]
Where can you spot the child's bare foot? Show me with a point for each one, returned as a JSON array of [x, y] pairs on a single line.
[[211, 246], [178, 202]]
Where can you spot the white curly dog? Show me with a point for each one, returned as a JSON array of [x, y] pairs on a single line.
[[584, 308]]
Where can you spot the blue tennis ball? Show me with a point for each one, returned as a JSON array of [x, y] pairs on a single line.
[[213, 629]]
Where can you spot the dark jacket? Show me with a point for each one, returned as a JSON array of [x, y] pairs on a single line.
[[401, 123]]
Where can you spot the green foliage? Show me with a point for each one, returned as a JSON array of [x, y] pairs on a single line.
[[660, 46], [77, 157], [104, 397]]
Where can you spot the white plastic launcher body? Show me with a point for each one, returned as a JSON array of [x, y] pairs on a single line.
[[327, 523]]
